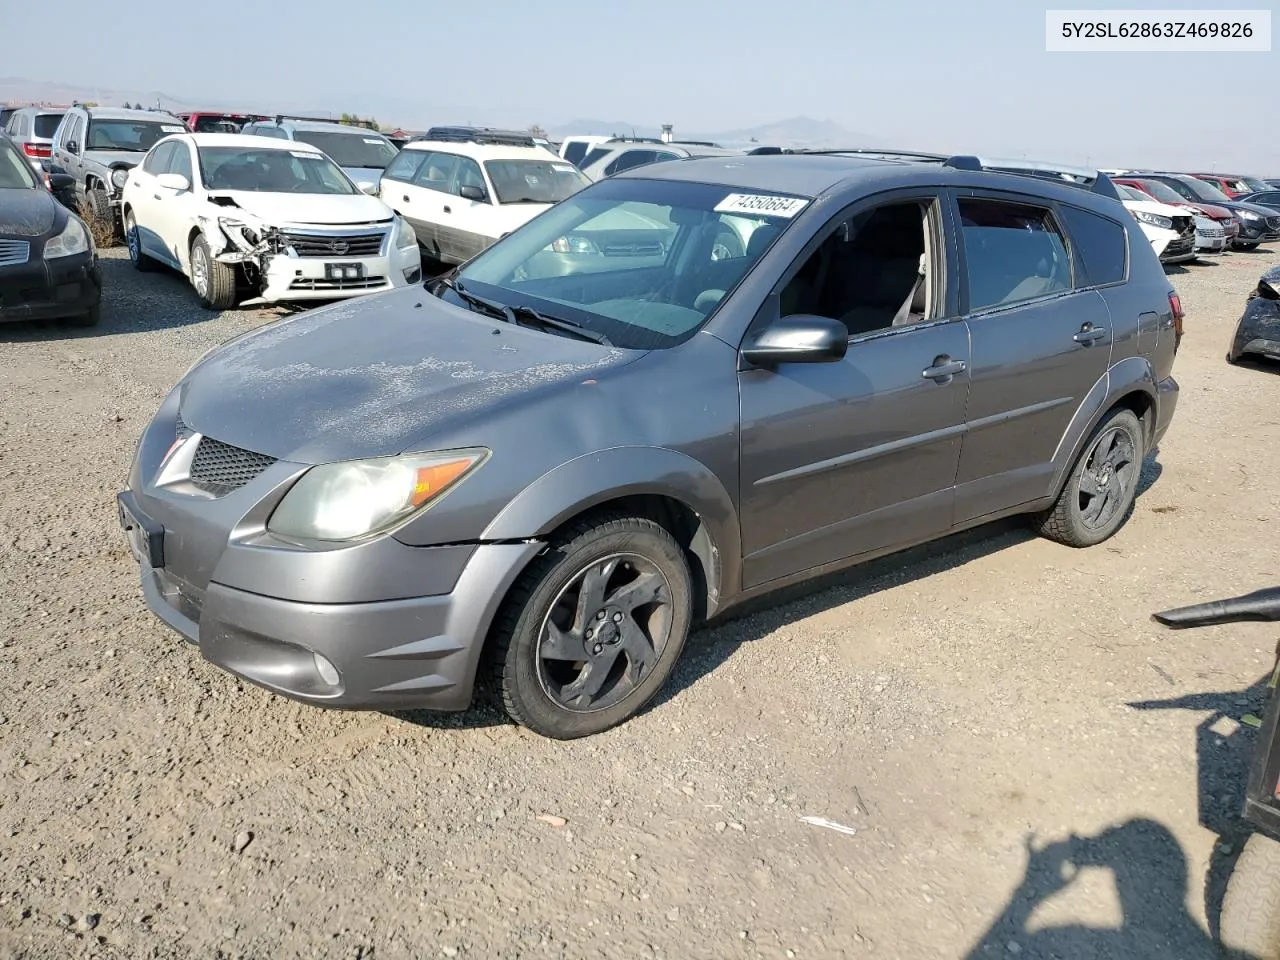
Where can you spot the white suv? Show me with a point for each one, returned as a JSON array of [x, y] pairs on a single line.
[[278, 217], [462, 190]]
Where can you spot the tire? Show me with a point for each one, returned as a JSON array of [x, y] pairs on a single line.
[[1246, 246], [98, 211], [89, 319], [213, 282], [141, 262], [588, 671], [1250, 923], [1078, 523]]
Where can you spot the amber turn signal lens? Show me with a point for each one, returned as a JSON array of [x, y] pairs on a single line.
[[433, 479]]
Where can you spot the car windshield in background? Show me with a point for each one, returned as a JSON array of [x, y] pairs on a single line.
[[1163, 192], [15, 171], [47, 123], [1205, 192], [535, 181], [132, 136], [267, 170], [642, 262], [1252, 185], [351, 149], [1131, 194]]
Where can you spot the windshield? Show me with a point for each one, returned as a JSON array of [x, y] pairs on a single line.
[[534, 181], [1253, 185], [643, 262], [15, 171], [271, 170], [1131, 194], [1204, 191], [130, 136], [1163, 192], [354, 149]]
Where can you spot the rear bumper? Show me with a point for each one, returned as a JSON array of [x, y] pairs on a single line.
[[1166, 403], [50, 289]]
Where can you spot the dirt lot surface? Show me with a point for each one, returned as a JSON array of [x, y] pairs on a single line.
[[958, 708]]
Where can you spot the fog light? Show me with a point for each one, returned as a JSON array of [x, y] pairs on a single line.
[[328, 672]]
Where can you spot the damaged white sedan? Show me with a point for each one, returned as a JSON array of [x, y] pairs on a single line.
[[258, 220]]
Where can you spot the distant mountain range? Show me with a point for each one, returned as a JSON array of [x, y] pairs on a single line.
[[795, 132]]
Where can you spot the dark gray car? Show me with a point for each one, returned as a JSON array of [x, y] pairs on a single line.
[[553, 461]]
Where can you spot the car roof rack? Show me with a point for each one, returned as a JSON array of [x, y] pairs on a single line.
[[693, 143], [1084, 177], [366, 124], [874, 153], [458, 134]]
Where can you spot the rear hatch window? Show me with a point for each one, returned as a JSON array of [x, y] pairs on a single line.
[[46, 124]]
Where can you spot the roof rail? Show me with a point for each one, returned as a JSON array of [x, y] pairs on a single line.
[[511, 138], [878, 154], [693, 143], [368, 125], [1085, 177]]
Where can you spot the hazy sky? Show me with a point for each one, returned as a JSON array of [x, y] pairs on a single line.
[[965, 76]]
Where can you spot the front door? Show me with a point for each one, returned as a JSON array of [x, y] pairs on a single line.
[[859, 456], [141, 194], [1041, 340]]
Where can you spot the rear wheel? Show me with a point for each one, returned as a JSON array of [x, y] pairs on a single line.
[[1100, 491], [593, 628], [1250, 924], [139, 259], [213, 282]]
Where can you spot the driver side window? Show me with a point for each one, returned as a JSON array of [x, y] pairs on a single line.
[[876, 270], [158, 160]]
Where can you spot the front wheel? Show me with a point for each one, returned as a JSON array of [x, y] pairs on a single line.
[[593, 628], [1250, 925], [214, 282], [1102, 487], [100, 214], [140, 260]]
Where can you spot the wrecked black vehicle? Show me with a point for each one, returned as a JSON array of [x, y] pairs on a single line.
[[1258, 332]]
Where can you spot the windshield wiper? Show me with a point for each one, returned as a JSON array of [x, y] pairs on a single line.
[[500, 311], [558, 323]]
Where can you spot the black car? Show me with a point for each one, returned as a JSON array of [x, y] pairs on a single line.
[[1258, 332], [1266, 198], [48, 262], [1258, 224]]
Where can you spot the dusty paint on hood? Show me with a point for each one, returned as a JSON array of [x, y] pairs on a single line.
[[26, 213], [376, 377]]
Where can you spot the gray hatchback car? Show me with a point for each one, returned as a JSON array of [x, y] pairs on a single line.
[[545, 466]]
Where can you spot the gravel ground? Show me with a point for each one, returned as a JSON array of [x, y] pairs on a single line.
[[966, 709]]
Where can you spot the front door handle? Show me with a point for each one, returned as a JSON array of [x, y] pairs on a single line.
[[406, 198], [1090, 334], [943, 369], [156, 195]]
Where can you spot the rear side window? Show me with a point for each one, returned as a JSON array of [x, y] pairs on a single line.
[[629, 159], [405, 165], [1100, 245], [575, 151], [594, 154], [1013, 252]]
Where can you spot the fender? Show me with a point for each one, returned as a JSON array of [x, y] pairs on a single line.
[[595, 478], [1130, 375]]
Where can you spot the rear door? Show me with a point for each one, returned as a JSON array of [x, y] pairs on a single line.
[[394, 189], [1040, 341], [429, 195]]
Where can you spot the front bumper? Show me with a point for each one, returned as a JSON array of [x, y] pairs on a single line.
[[50, 289], [402, 626], [289, 279], [1258, 231]]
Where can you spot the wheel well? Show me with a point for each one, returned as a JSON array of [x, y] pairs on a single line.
[[191, 238], [1140, 403], [689, 530]]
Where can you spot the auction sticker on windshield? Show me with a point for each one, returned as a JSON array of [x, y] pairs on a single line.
[[171, 128], [764, 205]]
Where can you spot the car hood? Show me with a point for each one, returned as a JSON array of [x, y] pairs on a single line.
[[111, 158], [278, 209], [377, 376], [1212, 210], [1154, 206], [26, 213], [1251, 207]]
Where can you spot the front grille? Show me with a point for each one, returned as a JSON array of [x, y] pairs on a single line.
[[638, 248], [219, 468], [1181, 245], [1273, 223], [14, 252], [321, 245], [363, 283]]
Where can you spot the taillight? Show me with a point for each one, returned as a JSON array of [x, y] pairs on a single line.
[[1175, 305], [38, 151]]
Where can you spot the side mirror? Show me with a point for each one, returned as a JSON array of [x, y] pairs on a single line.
[[73, 147], [472, 192], [61, 181], [173, 181], [800, 338], [367, 186]]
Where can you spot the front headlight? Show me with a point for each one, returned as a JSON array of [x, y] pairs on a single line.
[[1248, 215], [118, 177], [1164, 223], [73, 239], [357, 498], [405, 237]]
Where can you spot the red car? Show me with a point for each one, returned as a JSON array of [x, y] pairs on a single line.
[[1162, 193], [215, 121], [1233, 185]]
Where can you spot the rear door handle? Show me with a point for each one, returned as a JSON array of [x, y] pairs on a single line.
[[943, 369], [1090, 334], [406, 198], [447, 210]]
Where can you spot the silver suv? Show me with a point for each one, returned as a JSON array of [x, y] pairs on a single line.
[[614, 156], [98, 146], [362, 152], [32, 129]]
